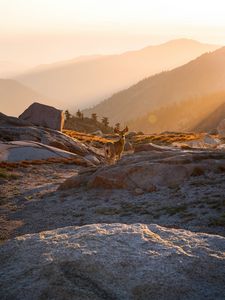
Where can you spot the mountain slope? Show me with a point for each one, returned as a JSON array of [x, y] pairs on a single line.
[[86, 81], [202, 76], [212, 120], [9, 69], [187, 115], [15, 97]]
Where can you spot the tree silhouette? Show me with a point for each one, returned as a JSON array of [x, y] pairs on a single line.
[[94, 117], [79, 114], [67, 114], [105, 121], [117, 126]]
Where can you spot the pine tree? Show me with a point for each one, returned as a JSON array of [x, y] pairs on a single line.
[[79, 114], [117, 126], [105, 121], [67, 115], [94, 117]]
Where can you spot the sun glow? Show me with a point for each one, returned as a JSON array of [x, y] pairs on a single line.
[[72, 15], [71, 28]]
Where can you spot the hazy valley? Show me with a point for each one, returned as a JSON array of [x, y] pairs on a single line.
[[84, 82], [202, 76]]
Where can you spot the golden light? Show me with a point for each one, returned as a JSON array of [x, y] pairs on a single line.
[[152, 119]]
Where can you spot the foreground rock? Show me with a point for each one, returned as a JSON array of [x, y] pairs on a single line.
[[150, 147], [20, 151], [14, 129], [151, 170], [12, 121], [43, 115], [206, 142], [114, 261]]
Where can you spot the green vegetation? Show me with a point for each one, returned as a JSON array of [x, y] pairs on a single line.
[[167, 138], [87, 125], [8, 175]]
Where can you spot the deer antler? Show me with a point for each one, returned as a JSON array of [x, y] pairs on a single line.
[[116, 130], [125, 129]]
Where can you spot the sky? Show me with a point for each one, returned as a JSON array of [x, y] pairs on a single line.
[[44, 31]]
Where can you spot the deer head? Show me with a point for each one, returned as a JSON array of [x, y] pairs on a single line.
[[121, 132]]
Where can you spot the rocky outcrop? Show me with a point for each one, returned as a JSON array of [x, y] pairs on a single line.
[[114, 261], [43, 115], [17, 130], [151, 170], [150, 147], [20, 151], [45, 136], [128, 146], [7, 121], [206, 142]]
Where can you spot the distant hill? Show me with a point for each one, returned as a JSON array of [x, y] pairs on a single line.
[[194, 114], [15, 97], [9, 69], [202, 76], [86, 81]]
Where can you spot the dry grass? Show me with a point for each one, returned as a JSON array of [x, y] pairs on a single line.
[[26, 163], [167, 138], [85, 137], [160, 139], [8, 174]]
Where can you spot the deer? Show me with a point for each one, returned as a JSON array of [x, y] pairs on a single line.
[[114, 150]]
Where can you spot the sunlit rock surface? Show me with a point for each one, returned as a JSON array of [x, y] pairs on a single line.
[[115, 261], [151, 170]]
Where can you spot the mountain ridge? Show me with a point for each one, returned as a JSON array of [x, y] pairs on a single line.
[[16, 97], [201, 76], [88, 81]]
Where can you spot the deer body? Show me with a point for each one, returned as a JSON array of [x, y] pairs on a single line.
[[114, 150]]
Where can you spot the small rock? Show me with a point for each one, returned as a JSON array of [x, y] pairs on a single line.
[[131, 134], [138, 191], [128, 146], [208, 139], [93, 159], [97, 132]]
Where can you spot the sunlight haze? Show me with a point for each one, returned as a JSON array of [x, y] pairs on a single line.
[[44, 31]]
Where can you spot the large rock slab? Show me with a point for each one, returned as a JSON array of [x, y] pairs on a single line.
[[43, 115], [151, 170], [113, 261], [151, 147], [12, 121], [14, 129], [45, 136], [24, 150]]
